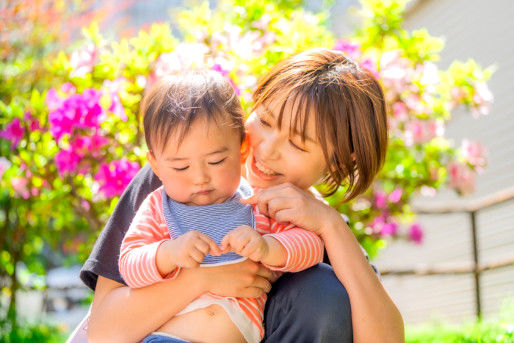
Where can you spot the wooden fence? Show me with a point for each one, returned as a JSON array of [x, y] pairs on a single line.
[[475, 267]]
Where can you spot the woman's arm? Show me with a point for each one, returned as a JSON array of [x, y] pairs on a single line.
[[122, 314], [375, 317]]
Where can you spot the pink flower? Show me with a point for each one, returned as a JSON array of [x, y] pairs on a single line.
[[482, 98], [19, 184], [462, 178], [400, 110], [396, 195], [380, 199], [371, 66], [4, 165], [421, 131], [113, 88], [394, 71], [67, 161], [115, 176], [226, 73], [83, 60], [416, 233], [474, 153], [13, 132], [352, 50]]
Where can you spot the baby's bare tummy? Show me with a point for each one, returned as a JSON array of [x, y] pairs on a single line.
[[210, 325]]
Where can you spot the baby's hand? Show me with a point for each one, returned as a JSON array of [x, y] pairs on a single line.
[[189, 250], [247, 242]]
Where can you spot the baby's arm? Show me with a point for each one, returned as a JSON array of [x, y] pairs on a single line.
[[139, 249]]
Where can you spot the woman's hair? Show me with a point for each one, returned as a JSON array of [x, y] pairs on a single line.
[[172, 105], [348, 109]]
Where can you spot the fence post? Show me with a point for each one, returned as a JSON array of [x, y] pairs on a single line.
[[476, 271]]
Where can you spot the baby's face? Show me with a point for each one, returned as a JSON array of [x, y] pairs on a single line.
[[205, 168]]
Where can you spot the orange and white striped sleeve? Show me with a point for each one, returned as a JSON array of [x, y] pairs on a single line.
[[304, 248], [147, 231]]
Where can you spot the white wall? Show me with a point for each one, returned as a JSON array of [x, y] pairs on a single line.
[[484, 31]]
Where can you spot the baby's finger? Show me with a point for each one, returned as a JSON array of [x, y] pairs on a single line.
[[202, 245], [212, 247], [250, 248], [197, 255], [225, 242], [239, 242]]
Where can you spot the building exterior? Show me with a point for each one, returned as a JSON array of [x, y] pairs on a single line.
[[484, 31]]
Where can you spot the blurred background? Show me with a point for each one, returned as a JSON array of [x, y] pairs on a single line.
[[438, 222]]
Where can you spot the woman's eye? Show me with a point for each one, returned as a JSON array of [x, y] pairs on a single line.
[[264, 122], [296, 146], [218, 162], [181, 169]]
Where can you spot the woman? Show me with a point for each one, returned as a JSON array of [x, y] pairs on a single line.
[[317, 118]]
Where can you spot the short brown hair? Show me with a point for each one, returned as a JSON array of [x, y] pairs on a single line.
[[350, 116], [175, 102]]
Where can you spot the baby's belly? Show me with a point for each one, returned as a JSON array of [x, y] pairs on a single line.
[[206, 325]]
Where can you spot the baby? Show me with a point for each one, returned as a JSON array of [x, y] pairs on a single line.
[[193, 125]]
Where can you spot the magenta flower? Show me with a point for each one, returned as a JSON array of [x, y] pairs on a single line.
[[352, 50], [117, 108], [416, 233], [81, 111], [225, 73], [368, 64], [67, 161], [13, 132], [396, 195], [380, 199], [89, 144], [389, 229], [33, 122], [115, 176]]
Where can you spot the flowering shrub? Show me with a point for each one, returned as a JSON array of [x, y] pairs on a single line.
[[69, 150]]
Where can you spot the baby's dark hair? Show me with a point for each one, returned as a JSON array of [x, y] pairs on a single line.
[[174, 103]]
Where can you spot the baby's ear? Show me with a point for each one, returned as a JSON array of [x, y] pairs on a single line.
[[153, 163]]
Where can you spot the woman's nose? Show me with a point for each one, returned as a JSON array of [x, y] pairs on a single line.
[[269, 147]]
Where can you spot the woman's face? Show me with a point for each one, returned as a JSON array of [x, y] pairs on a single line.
[[277, 155]]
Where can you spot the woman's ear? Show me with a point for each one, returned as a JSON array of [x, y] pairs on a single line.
[[153, 163], [245, 148]]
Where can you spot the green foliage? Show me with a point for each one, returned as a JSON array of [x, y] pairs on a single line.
[[498, 331], [31, 333]]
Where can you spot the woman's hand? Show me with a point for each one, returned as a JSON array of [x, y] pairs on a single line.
[[288, 203], [246, 279]]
